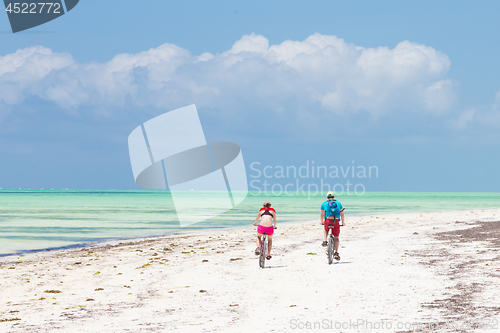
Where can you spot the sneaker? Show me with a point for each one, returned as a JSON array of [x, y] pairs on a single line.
[[325, 243], [336, 256], [257, 251]]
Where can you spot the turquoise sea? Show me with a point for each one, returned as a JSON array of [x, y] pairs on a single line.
[[42, 219]]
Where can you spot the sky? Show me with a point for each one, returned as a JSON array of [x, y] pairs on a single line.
[[411, 87]]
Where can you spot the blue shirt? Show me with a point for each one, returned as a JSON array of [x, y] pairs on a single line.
[[324, 206]]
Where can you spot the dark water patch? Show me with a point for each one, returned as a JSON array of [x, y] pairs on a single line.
[[100, 242]]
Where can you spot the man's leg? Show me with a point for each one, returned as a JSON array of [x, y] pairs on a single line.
[[325, 232], [336, 241]]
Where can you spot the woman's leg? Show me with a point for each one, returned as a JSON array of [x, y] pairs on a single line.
[[258, 240], [269, 244]]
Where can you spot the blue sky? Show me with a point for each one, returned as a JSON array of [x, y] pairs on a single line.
[[412, 87]]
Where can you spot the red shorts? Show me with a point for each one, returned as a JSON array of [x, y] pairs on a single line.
[[336, 226], [269, 230]]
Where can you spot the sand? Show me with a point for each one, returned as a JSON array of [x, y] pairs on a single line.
[[397, 273]]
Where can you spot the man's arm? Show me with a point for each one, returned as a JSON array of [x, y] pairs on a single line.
[[342, 216], [322, 216]]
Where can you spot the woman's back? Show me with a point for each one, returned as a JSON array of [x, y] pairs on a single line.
[[266, 216]]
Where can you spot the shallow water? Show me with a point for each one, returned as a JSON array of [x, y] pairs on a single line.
[[39, 219]]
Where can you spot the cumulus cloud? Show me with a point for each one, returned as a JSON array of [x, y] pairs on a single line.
[[22, 72], [319, 72]]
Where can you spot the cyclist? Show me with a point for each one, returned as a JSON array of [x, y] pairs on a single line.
[[267, 216], [328, 217]]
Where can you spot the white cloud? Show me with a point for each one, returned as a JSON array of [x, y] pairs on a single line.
[[321, 70], [21, 72], [439, 95], [481, 119], [464, 118], [490, 117]]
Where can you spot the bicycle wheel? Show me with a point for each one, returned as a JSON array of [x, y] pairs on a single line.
[[263, 251], [330, 250]]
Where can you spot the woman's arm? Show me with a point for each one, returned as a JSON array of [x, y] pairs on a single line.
[[274, 218], [257, 218]]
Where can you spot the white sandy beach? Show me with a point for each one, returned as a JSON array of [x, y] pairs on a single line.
[[394, 270]]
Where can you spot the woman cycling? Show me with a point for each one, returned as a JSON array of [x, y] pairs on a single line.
[[267, 216]]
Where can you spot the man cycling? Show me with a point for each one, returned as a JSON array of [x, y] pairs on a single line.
[[328, 217], [267, 216]]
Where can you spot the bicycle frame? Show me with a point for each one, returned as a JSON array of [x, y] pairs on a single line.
[[330, 251], [330, 246], [263, 250]]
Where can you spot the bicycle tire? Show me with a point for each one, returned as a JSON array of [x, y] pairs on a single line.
[[263, 252], [330, 251]]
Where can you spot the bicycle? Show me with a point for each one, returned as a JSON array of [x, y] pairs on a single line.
[[330, 250], [263, 250]]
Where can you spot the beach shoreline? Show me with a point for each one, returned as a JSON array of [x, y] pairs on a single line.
[[210, 281], [48, 220], [215, 230]]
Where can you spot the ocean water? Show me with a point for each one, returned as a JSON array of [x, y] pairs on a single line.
[[46, 219]]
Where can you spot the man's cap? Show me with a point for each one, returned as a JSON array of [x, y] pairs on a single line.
[[330, 194]]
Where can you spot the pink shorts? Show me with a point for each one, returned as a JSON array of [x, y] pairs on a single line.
[[269, 230]]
